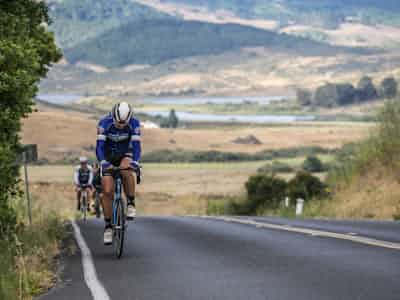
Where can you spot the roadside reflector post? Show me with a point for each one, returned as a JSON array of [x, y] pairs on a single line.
[[287, 202], [299, 207], [28, 197]]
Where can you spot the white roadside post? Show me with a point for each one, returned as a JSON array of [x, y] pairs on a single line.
[[299, 207], [287, 202]]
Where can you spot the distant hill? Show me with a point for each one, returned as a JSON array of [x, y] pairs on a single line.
[[326, 13], [156, 41], [75, 21]]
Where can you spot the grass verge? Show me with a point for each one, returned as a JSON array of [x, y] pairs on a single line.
[[28, 259]]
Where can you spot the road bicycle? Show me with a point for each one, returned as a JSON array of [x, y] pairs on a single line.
[[118, 221]]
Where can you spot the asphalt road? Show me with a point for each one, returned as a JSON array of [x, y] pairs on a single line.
[[195, 258]]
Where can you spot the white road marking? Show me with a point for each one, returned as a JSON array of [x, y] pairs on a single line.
[[341, 236], [89, 271]]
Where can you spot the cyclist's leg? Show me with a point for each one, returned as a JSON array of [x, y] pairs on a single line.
[[78, 198], [129, 178], [90, 198], [107, 183]]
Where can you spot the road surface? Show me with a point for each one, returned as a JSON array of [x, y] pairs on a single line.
[[199, 258]]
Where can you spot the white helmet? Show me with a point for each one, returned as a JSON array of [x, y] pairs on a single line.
[[122, 112], [83, 159]]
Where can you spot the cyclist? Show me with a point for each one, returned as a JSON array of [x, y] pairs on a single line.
[[118, 144], [83, 177]]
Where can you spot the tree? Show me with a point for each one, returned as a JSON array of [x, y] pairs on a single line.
[[346, 93], [389, 87], [313, 164], [326, 95], [306, 186], [264, 191], [173, 119], [366, 90], [27, 50], [304, 97]]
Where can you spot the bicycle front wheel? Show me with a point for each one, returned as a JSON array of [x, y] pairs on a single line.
[[119, 229]]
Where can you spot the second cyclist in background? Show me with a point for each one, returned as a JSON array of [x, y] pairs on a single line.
[[83, 177]]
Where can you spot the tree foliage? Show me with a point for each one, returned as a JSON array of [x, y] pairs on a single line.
[[366, 89], [306, 186], [264, 191], [26, 51], [313, 164], [389, 87], [330, 94]]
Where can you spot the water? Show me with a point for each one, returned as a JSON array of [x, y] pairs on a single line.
[[59, 98], [260, 119], [214, 100]]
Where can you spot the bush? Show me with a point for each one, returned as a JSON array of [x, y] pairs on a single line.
[[313, 164], [276, 167], [389, 88], [167, 156], [264, 191], [306, 186], [304, 97], [366, 90]]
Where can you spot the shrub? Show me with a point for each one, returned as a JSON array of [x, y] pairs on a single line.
[[313, 164], [276, 167], [264, 191], [304, 97], [389, 88], [366, 90], [306, 186]]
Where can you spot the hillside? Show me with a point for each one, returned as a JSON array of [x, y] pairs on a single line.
[[326, 13], [155, 41], [75, 21]]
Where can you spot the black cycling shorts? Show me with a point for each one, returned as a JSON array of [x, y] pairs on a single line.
[[115, 160]]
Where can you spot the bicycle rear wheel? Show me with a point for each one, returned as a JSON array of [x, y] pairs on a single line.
[[119, 229]]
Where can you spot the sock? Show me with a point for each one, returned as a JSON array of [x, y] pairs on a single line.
[[131, 200], [108, 223]]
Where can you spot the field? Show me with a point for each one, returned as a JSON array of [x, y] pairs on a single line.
[[166, 189], [62, 135]]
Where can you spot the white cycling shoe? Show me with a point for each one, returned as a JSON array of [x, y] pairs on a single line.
[[108, 236], [131, 212]]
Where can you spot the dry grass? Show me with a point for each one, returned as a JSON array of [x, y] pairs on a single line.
[[375, 195], [61, 134], [354, 35], [167, 189]]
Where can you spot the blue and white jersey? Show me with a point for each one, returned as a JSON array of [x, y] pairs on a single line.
[[114, 142]]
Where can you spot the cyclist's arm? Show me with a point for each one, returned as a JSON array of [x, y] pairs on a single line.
[[90, 182], [136, 141], [76, 177], [101, 139]]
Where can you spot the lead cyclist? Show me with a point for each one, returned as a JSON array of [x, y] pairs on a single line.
[[118, 145]]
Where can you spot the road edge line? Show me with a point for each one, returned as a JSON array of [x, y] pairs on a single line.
[[89, 270], [341, 236]]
